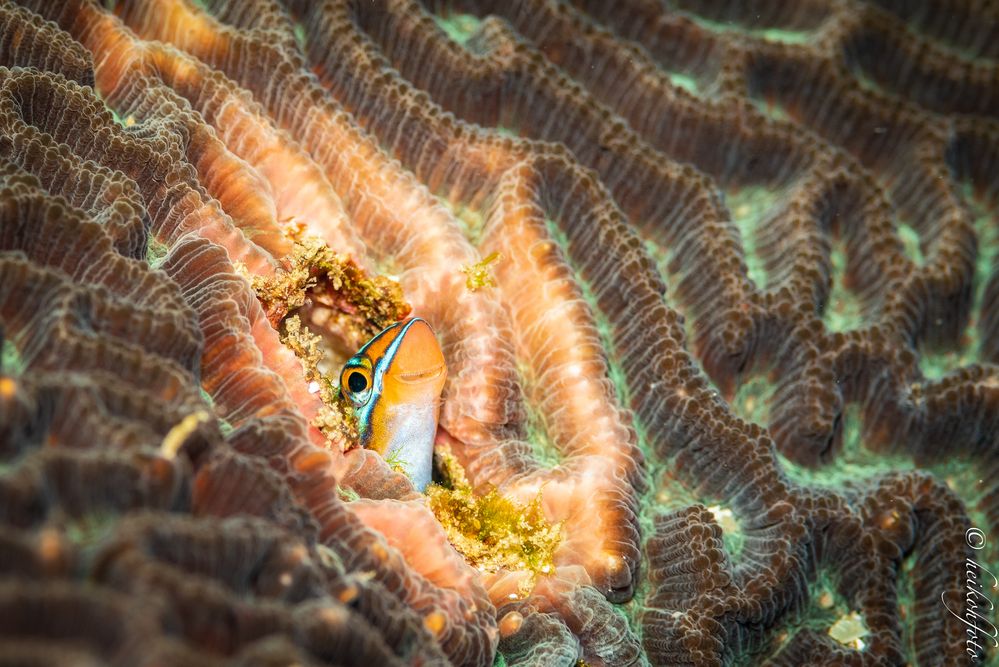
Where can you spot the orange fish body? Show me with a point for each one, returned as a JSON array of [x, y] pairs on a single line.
[[395, 383]]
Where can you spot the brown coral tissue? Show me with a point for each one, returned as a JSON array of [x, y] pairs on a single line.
[[716, 281]]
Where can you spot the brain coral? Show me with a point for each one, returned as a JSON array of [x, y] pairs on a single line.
[[717, 282]]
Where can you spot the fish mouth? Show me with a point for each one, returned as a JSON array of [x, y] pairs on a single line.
[[416, 377]]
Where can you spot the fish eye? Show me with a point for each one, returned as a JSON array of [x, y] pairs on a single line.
[[356, 382]]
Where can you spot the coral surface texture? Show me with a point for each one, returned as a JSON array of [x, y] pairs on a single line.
[[716, 283]]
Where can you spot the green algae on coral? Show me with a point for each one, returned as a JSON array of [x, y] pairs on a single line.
[[542, 447], [749, 207], [459, 27], [224, 426], [910, 243], [752, 400], [361, 306], [10, 358], [778, 35], [156, 252], [843, 310], [732, 535], [849, 630], [491, 531], [685, 81]]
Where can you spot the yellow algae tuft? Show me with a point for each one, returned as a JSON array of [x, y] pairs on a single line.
[[343, 299], [493, 532], [314, 273], [333, 418], [306, 346], [478, 275], [337, 425]]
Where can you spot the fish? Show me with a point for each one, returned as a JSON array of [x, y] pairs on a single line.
[[394, 383]]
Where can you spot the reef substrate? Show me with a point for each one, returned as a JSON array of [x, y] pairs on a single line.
[[717, 282]]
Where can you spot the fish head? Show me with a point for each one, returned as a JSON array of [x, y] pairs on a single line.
[[395, 383]]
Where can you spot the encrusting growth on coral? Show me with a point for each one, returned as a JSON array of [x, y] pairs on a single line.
[[335, 418], [355, 307], [491, 531], [316, 275], [478, 274]]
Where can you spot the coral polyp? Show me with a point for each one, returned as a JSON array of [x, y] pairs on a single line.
[[715, 285]]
